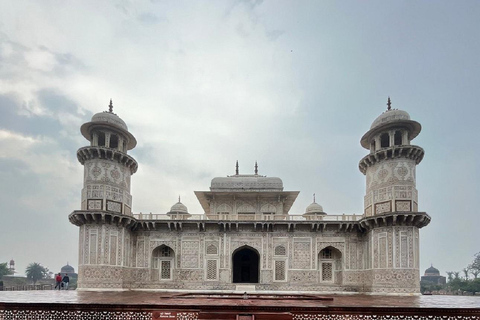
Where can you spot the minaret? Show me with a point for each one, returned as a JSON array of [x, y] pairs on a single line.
[[108, 167], [391, 218], [105, 217], [390, 166]]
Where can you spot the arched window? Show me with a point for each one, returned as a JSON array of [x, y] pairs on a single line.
[[163, 259], [246, 212], [398, 138], [330, 264], [114, 141], [101, 139], [269, 209], [224, 209], [384, 140]]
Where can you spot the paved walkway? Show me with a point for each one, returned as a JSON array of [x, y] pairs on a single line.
[[202, 299]]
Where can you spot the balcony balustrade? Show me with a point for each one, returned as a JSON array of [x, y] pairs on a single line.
[[246, 217]]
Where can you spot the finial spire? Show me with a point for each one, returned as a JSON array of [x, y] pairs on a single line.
[[178, 198], [389, 104], [256, 167], [314, 198], [236, 168], [110, 107]]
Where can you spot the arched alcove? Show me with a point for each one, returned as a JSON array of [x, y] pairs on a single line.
[[330, 265], [246, 265], [163, 258]]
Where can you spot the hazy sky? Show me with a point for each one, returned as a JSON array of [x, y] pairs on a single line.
[[291, 84]]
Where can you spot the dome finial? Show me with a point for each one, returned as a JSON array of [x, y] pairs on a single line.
[[178, 198], [314, 198], [236, 168], [389, 104], [110, 107], [256, 168]]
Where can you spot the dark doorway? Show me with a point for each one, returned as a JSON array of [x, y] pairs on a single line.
[[245, 266]]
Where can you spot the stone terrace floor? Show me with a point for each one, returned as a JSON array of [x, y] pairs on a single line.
[[217, 299]]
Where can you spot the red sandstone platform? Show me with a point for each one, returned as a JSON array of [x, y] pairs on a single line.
[[197, 306]]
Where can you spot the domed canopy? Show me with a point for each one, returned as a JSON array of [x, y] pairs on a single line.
[[391, 119], [314, 208], [432, 271], [178, 208], [110, 120], [67, 269], [388, 116]]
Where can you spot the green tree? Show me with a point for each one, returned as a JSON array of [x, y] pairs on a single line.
[[450, 275], [35, 271], [475, 265], [473, 286], [4, 270], [475, 273]]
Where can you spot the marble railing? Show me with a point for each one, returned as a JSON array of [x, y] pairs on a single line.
[[246, 217]]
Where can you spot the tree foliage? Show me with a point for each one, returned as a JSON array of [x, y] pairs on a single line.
[[35, 271], [4, 270], [456, 283], [475, 265]]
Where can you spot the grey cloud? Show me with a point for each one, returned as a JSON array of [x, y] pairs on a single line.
[[274, 34], [14, 66], [250, 4], [148, 18], [17, 179], [33, 125], [28, 125], [65, 61]]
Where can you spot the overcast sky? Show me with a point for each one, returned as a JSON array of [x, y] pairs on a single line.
[[291, 84]]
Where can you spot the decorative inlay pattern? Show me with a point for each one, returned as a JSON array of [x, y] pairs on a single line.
[[301, 255], [402, 206], [84, 314], [95, 205], [383, 207], [212, 269], [190, 251], [280, 270], [114, 206]]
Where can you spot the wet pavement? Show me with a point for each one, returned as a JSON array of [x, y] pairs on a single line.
[[180, 299]]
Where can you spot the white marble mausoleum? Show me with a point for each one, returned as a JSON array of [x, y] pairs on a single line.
[[245, 238]]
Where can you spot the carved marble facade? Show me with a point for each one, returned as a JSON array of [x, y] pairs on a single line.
[[246, 235]]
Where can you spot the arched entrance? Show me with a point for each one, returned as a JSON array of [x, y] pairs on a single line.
[[245, 265]]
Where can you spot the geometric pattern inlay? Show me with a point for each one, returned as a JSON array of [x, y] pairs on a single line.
[[383, 207], [402, 205], [80, 314], [363, 316], [190, 251]]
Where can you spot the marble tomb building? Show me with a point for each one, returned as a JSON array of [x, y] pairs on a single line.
[[246, 239]]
